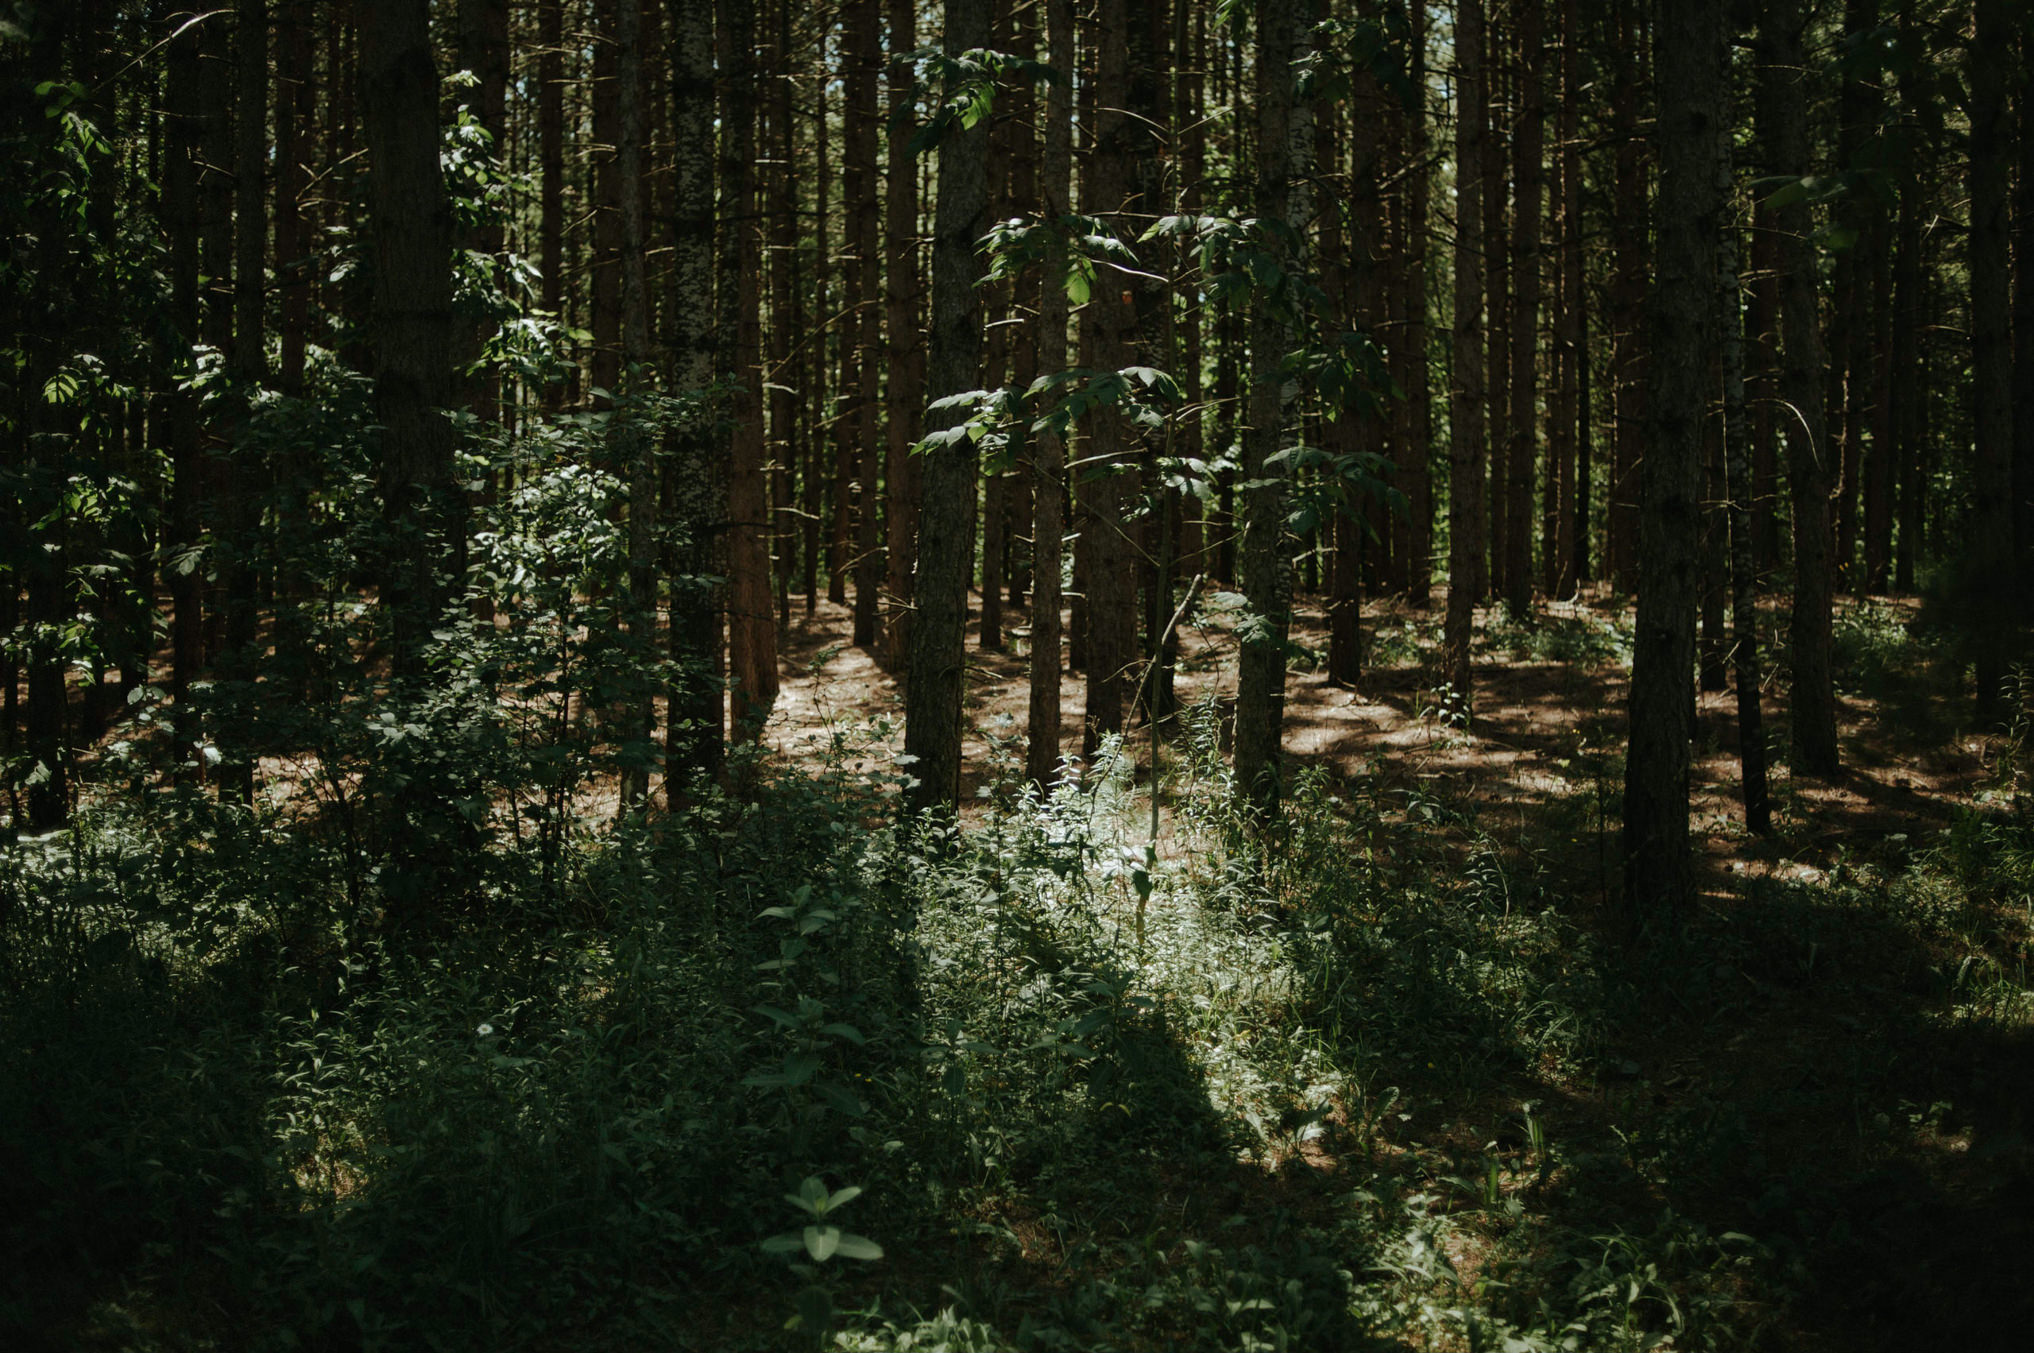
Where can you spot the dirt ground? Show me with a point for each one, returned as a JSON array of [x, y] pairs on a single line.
[[1542, 726]]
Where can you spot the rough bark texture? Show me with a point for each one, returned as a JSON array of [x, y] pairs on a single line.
[[1465, 452], [413, 330], [906, 352], [1522, 433], [1990, 598], [1627, 295], [1108, 579], [631, 443], [1266, 555], [1783, 126], [752, 627], [694, 491], [932, 702], [1751, 732], [1681, 333], [2023, 331], [864, 266], [1042, 754], [1416, 443]]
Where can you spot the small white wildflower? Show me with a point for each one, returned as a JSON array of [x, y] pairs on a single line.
[[485, 1030]]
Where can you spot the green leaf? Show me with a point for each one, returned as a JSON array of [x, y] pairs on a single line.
[[858, 1247], [821, 1242]]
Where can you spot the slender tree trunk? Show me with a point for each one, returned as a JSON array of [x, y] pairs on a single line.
[[1680, 330], [786, 329], [604, 297], [1627, 295], [905, 355], [413, 332], [1498, 311], [1466, 425], [1783, 126], [2023, 328], [1528, 177], [1109, 581], [1564, 538], [694, 491], [551, 161], [1267, 556], [1990, 557], [1751, 732], [932, 710], [633, 449], [1416, 444], [752, 626], [242, 476], [863, 19], [1042, 752], [1907, 394], [180, 220]]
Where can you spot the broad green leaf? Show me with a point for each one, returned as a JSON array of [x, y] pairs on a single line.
[[821, 1242]]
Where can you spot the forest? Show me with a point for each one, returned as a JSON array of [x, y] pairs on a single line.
[[1017, 675]]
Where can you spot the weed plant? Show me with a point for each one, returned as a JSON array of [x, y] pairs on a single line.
[[783, 1070]]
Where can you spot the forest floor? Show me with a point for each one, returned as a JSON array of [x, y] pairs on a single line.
[[1832, 1083], [1397, 1074]]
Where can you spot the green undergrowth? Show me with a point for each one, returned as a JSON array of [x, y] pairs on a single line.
[[783, 1071]]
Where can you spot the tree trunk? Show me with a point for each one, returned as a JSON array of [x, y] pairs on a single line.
[[1680, 331], [1990, 557], [1415, 444], [413, 334], [1266, 554], [1783, 126], [1627, 296], [864, 213], [906, 352], [633, 449], [694, 492], [2023, 330], [1109, 581], [1523, 432], [1497, 516], [1751, 732], [1042, 754], [752, 626], [551, 157], [932, 709], [1465, 454]]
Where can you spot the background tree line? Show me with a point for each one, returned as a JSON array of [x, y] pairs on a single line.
[[659, 317]]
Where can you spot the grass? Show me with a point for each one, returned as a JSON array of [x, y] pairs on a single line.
[[1390, 1077]]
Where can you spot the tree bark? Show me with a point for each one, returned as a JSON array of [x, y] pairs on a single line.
[[633, 448], [1783, 126], [1528, 178], [752, 626], [1465, 456], [1266, 554], [1109, 563], [863, 208], [1628, 364], [1415, 444], [425, 557], [1680, 333], [694, 491], [906, 353], [932, 708], [1042, 753], [1751, 733], [1991, 600]]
